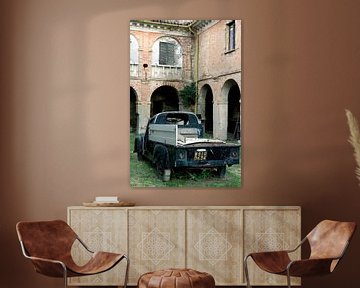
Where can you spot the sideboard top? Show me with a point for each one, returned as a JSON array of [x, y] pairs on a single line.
[[192, 207]]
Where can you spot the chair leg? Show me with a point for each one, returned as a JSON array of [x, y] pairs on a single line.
[[127, 271], [65, 275], [288, 278], [246, 272]]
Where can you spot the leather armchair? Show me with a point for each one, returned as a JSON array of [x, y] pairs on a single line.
[[48, 245], [328, 242]]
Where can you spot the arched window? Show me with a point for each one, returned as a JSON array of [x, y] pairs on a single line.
[[167, 51], [134, 50]]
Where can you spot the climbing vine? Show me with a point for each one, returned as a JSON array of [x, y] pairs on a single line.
[[188, 94]]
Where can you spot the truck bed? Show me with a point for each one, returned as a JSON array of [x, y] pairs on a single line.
[[172, 134]]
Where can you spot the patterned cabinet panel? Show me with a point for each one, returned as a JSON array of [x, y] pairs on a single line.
[[209, 239], [156, 240], [214, 244], [101, 230], [271, 229]]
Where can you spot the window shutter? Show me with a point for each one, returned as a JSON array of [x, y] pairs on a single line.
[[230, 36], [162, 53], [166, 53]]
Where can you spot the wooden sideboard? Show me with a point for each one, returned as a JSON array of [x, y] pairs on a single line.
[[212, 239]]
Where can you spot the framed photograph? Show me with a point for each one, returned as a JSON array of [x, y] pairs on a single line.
[[185, 103]]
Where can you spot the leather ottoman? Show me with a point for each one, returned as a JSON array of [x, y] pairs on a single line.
[[176, 278]]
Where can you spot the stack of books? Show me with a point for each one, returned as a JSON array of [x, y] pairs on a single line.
[[106, 199]]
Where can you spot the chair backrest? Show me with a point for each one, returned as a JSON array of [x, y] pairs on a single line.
[[329, 239], [46, 239]]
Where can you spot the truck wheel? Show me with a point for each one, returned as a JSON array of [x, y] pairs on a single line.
[[161, 162], [140, 157], [164, 174], [139, 149], [221, 171]]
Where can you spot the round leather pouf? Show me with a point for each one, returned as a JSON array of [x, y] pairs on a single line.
[[176, 278]]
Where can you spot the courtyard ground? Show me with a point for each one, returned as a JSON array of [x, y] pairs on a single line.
[[143, 174]]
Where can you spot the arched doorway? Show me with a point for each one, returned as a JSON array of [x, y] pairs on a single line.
[[133, 115], [207, 100], [232, 91], [164, 98]]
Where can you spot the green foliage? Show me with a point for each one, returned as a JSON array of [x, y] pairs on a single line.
[[188, 94]]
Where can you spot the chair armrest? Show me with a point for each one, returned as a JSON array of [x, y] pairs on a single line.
[[268, 253], [298, 246], [84, 245], [309, 267], [282, 251], [46, 260], [48, 267], [271, 261]]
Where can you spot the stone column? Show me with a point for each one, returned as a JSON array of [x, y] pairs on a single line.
[[201, 106], [143, 112], [220, 110]]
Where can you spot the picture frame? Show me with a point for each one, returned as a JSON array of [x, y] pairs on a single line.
[[185, 70]]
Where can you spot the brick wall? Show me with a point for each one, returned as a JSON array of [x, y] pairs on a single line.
[[218, 69], [214, 65], [214, 59]]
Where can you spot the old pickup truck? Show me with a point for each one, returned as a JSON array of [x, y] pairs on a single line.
[[175, 140]]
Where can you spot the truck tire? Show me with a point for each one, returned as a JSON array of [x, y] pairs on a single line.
[[139, 149], [161, 163], [163, 173], [140, 157], [221, 171]]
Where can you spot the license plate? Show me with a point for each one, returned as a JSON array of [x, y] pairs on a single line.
[[200, 154]]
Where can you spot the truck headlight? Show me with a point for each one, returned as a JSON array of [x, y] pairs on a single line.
[[181, 154], [234, 154]]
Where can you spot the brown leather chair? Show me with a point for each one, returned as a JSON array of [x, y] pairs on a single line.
[[328, 242], [48, 245]]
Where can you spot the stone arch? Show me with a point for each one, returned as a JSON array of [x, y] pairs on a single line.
[[206, 107], [164, 98], [133, 112], [231, 93]]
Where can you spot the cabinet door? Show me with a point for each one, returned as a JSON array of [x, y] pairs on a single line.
[[101, 230], [214, 244], [267, 230], [156, 240]]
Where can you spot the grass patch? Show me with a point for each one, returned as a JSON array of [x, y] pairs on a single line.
[[143, 174]]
